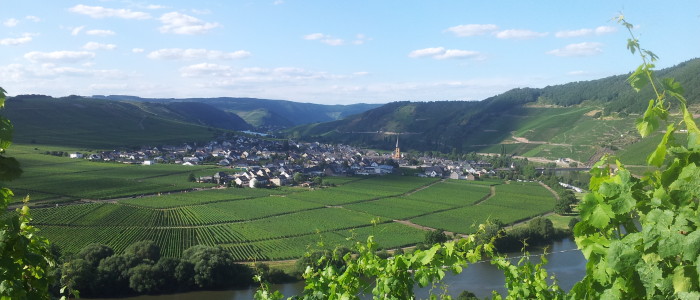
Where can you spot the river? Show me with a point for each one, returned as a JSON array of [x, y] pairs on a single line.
[[480, 278]]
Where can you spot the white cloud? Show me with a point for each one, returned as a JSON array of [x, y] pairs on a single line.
[[332, 41], [11, 22], [176, 53], [314, 36], [100, 32], [77, 30], [427, 52], [600, 30], [175, 22], [453, 53], [138, 50], [580, 49], [574, 33], [229, 76], [520, 34], [99, 12], [154, 6], [206, 69], [605, 30], [201, 11], [278, 2], [20, 72], [473, 29], [442, 53], [360, 39], [98, 46], [26, 38], [59, 56], [33, 18]]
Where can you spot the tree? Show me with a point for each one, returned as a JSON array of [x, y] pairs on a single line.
[[467, 295], [191, 177], [78, 274], [541, 227], [299, 178], [144, 250], [94, 253], [145, 279], [112, 277], [214, 268], [26, 262], [567, 198], [436, 237], [167, 268]]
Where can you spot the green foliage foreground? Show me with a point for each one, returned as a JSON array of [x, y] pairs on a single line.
[[639, 235], [25, 258]]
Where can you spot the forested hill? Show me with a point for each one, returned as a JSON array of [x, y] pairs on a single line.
[[564, 114], [614, 93], [86, 122], [265, 113]]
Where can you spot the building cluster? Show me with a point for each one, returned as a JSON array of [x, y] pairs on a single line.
[[260, 162], [257, 161], [465, 170]]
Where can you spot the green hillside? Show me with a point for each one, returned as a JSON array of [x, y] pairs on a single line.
[[579, 120], [265, 113], [84, 122]]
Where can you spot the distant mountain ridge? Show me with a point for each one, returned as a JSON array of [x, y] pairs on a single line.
[[265, 113]]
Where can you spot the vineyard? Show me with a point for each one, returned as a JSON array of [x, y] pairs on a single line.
[[276, 224], [118, 204]]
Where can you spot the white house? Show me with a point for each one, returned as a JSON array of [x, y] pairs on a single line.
[[76, 155]]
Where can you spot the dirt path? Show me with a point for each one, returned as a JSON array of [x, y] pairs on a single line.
[[556, 195], [426, 228], [526, 141]]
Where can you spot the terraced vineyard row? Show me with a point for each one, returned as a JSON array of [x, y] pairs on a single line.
[[283, 224], [512, 203]]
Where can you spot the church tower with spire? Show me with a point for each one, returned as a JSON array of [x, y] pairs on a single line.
[[397, 152]]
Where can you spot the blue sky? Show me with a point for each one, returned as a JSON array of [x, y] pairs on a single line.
[[330, 52]]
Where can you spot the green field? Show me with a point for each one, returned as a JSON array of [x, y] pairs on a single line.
[[119, 204]]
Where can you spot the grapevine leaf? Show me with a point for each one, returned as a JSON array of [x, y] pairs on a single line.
[[2, 97], [682, 282], [659, 155], [688, 182], [632, 44], [648, 123], [671, 85], [652, 55], [592, 244], [689, 121], [689, 295], [429, 254], [601, 215], [9, 168], [5, 134], [638, 79], [650, 275], [691, 245]]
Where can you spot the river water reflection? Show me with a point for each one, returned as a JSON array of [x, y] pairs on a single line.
[[565, 262]]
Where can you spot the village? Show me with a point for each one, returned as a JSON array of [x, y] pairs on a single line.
[[257, 162]]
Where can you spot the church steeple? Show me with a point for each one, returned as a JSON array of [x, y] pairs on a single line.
[[397, 152]]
